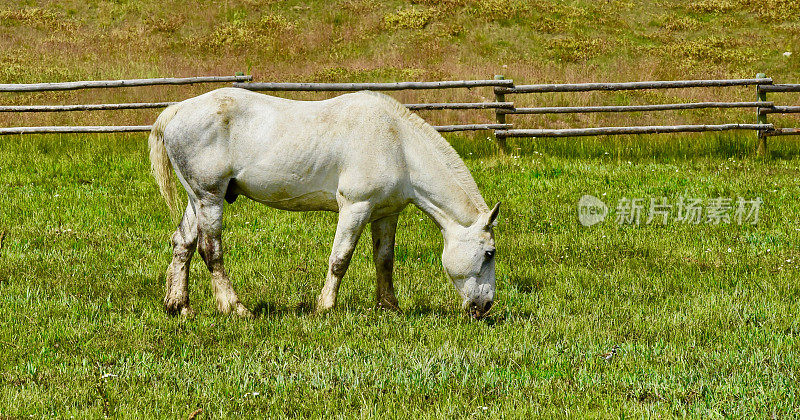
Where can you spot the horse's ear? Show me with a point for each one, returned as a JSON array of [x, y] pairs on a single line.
[[491, 220]]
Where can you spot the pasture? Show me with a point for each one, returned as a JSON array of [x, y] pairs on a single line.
[[706, 316]]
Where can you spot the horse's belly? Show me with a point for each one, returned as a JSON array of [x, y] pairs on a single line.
[[318, 200], [290, 192]]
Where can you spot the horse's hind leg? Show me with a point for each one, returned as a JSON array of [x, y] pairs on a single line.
[[209, 221], [184, 242], [383, 234]]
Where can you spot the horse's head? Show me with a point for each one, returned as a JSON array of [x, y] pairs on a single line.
[[468, 259]]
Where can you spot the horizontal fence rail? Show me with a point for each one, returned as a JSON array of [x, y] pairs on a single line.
[[147, 105], [76, 129], [501, 108], [633, 108], [576, 132], [762, 107], [471, 127], [664, 84], [783, 132], [342, 87], [85, 107], [145, 128], [779, 88], [779, 109], [477, 105], [92, 84]]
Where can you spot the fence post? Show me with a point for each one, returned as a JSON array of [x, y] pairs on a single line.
[[761, 145], [501, 118]]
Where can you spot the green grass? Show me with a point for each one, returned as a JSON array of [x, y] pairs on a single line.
[[706, 316]]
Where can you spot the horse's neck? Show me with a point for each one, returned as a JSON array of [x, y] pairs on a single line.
[[446, 217], [441, 184], [438, 194]]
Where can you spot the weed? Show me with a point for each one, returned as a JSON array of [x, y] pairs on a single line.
[[574, 49], [549, 26], [445, 3], [682, 23], [712, 6], [31, 16], [166, 25], [713, 50], [275, 22], [242, 33], [773, 11], [493, 10], [382, 73], [411, 18]]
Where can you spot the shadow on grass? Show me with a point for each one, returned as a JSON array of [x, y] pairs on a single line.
[[271, 310], [497, 316], [527, 285], [782, 154], [424, 310]]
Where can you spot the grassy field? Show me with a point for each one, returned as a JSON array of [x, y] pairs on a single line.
[[705, 315]]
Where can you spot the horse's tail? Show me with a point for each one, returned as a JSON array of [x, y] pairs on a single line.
[[159, 161]]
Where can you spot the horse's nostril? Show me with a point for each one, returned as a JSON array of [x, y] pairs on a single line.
[[487, 306]]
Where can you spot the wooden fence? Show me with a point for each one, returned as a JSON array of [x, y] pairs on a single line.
[[242, 82], [501, 106], [762, 106]]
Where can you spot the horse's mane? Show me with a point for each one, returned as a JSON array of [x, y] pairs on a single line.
[[443, 151]]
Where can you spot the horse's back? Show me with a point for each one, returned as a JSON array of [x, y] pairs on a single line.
[[296, 155]]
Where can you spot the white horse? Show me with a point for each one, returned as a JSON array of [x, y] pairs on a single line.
[[363, 155]]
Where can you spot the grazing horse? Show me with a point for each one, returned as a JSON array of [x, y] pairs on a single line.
[[363, 155]]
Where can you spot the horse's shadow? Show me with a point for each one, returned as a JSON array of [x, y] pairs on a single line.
[[423, 310], [265, 309]]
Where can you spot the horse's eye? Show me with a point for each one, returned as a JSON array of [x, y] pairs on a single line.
[[489, 254]]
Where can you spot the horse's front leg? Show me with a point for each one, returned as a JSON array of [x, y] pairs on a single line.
[[383, 234], [184, 242], [209, 221], [352, 219]]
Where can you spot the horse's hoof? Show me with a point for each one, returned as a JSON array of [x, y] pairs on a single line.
[[243, 312], [178, 308], [322, 309], [324, 304]]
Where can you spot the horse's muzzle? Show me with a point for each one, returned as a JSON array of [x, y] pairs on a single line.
[[479, 310]]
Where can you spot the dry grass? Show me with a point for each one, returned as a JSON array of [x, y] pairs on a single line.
[[357, 40]]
